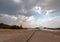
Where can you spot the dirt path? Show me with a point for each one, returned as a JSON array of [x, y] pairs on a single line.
[[15, 35], [28, 36], [42, 36], [21, 38]]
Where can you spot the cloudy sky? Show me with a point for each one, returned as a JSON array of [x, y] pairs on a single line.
[[30, 13]]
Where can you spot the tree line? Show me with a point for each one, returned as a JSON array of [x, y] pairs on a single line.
[[5, 26]]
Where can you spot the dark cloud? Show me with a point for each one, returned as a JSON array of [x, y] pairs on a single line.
[[8, 7], [6, 20], [12, 8], [30, 3], [24, 8], [53, 5]]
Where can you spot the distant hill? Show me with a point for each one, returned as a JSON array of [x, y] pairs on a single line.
[[52, 28]]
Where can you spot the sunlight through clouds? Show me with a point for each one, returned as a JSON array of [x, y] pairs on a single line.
[[32, 12], [53, 22], [17, 1], [49, 12], [37, 9]]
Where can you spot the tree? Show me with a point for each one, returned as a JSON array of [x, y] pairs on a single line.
[[21, 27]]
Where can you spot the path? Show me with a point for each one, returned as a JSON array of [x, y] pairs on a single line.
[[29, 36], [42, 36]]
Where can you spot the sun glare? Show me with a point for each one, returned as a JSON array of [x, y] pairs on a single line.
[[37, 9], [17, 1]]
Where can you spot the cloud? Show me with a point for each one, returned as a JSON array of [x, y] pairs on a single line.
[[17, 1], [11, 7], [53, 22], [8, 7], [23, 11], [51, 5], [32, 22], [8, 16], [10, 19], [5, 18], [47, 21]]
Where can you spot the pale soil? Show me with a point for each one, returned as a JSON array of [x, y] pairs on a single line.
[[10, 35], [44, 36], [7, 35]]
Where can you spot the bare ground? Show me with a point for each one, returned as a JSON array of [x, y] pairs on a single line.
[[9, 35], [44, 36]]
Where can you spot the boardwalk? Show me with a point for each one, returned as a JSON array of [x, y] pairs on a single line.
[[28, 36]]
